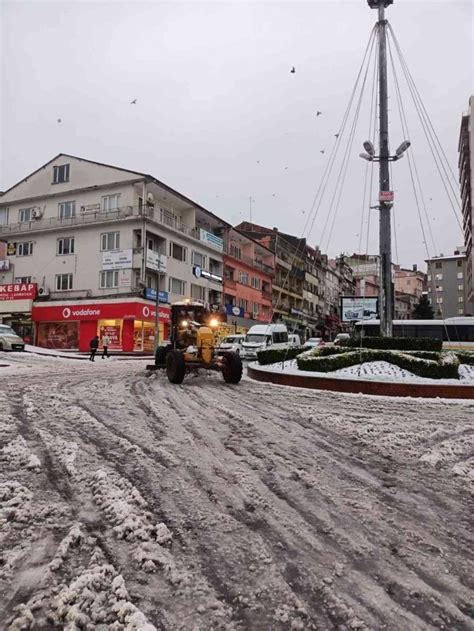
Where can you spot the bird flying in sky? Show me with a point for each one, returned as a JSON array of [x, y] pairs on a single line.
[[134, 102], [293, 70], [318, 113]]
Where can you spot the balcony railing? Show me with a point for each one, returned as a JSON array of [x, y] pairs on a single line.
[[268, 269], [78, 219]]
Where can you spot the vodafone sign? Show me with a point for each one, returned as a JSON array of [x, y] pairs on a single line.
[[101, 311], [18, 291]]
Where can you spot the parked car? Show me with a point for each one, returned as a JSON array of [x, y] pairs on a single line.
[[313, 342], [262, 336], [9, 340], [341, 339], [231, 343], [294, 339]]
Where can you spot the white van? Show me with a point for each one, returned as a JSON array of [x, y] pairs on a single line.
[[263, 336], [294, 339], [231, 343]]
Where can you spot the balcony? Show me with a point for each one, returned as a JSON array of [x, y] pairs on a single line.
[[267, 269], [230, 283], [267, 295], [77, 220]]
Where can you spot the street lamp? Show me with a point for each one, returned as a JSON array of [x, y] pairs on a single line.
[[371, 157]]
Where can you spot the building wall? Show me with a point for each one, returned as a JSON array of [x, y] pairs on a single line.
[[466, 168], [446, 285]]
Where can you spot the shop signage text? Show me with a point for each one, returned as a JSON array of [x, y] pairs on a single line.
[[117, 311], [202, 273], [150, 294], [18, 291], [156, 261], [118, 259], [211, 240]]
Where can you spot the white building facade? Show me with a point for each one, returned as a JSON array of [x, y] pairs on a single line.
[[101, 247]]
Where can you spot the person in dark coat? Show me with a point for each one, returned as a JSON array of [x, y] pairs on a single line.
[[94, 345]]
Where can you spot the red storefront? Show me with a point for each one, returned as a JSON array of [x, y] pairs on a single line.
[[128, 324]]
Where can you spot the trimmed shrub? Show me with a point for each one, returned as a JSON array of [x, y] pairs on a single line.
[[465, 357], [398, 343], [445, 367], [275, 355]]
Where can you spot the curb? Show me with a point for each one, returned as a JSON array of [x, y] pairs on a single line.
[[361, 386]]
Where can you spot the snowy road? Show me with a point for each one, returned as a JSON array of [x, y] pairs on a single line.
[[129, 503]]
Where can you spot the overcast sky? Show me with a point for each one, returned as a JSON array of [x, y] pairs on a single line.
[[219, 116]]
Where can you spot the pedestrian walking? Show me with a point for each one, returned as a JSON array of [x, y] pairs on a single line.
[[93, 345], [105, 346]]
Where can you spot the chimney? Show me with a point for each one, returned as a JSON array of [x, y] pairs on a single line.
[[415, 268], [275, 229]]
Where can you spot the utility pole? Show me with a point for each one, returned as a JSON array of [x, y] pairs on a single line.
[[385, 228]]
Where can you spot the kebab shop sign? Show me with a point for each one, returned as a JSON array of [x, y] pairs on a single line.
[[18, 291]]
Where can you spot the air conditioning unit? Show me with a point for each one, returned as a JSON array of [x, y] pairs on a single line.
[[36, 213], [43, 291]]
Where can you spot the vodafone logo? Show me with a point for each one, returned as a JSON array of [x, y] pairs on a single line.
[[66, 313], [146, 312]]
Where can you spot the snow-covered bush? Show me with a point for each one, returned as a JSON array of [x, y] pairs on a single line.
[[397, 343], [446, 367], [274, 355]]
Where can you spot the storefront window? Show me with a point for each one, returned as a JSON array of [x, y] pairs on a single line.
[[58, 335], [113, 330]]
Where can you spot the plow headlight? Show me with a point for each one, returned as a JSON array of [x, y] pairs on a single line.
[[184, 323], [214, 322]]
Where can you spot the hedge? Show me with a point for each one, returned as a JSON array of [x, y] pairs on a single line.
[[397, 343], [446, 367], [465, 357], [275, 355]]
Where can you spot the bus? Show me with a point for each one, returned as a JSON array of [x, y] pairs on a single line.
[[455, 332]]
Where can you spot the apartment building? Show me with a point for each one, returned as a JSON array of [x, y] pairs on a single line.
[[287, 289], [97, 248], [447, 284], [466, 167], [410, 281], [249, 269]]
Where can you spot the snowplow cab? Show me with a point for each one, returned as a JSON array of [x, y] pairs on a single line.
[[193, 343]]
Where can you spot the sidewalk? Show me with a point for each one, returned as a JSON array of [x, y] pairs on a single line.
[[50, 352]]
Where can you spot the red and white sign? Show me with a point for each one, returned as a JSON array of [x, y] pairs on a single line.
[[113, 333], [101, 311], [386, 196], [18, 291]]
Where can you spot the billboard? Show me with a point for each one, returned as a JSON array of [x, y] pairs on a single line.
[[117, 259], [357, 308]]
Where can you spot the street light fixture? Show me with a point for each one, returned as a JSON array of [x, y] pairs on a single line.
[[366, 156], [402, 148], [369, 147]]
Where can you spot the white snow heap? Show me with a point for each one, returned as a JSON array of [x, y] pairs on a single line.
[[19, 454]]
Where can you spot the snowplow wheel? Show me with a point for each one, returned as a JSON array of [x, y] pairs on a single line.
[[160, 356], [175, 366], [232, 368]]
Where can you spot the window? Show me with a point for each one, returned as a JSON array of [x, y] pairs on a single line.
[[254, 309], [235, 251], [25, 248], [177, 252], [438, 265], [242, 303], [25, 215], [256, 282], [439, 276], [461, 311], [109, 279], [152, 245], [460, 287], [243, 278], [429, 278], [3, 216], [23, 279], [408, 282], [63, 282], [460, 298], [199, 259], [109, 241], [67, 210], [439, 287], [459, 263], [110, 202], [177, 286], [61, 174], [66, 245], [439, 300], [460, 276], [198, 292]]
